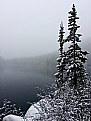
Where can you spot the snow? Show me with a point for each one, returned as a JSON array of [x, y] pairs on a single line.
[[12, 118], [56, 74], [29, 116], [33, 112]]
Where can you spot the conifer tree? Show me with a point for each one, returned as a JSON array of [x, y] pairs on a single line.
[[61, 60], [76, 57], [67, 103]]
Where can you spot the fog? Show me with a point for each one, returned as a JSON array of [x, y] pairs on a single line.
[[30, 27]]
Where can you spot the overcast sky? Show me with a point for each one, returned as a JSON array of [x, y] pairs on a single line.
[[30, 27]]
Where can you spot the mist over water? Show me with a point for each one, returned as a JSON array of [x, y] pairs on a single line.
[[20, 87], [20, 77]]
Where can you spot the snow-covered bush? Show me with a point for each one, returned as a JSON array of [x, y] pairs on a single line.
[[66, 104]]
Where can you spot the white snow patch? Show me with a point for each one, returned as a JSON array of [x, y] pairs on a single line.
[[13, 118], [33, 112]]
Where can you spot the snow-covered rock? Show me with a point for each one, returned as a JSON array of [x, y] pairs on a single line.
[[13, 118], [29, 116], [33, 111]]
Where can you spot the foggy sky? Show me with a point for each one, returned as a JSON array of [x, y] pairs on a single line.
[[30, 27]]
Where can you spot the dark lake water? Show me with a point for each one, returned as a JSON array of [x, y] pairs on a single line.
[[20, 87]]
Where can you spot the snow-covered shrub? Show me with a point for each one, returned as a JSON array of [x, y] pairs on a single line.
[[66, 104]]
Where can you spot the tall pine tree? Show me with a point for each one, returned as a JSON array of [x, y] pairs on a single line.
[[76, 57], [61, 60], [67, 103]]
